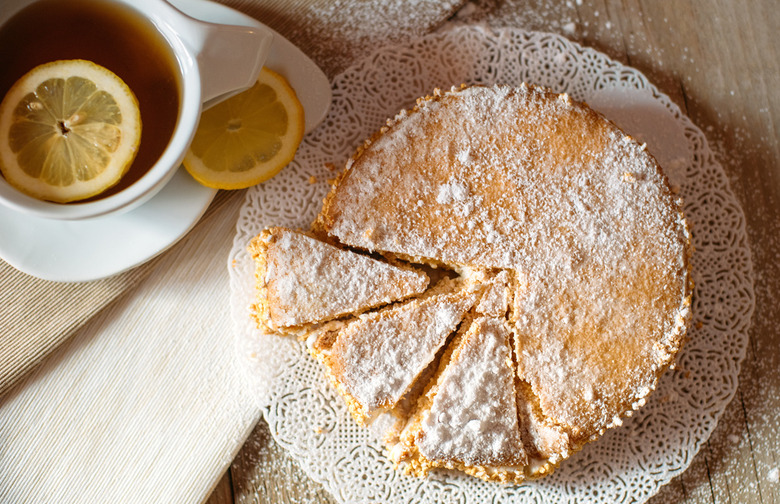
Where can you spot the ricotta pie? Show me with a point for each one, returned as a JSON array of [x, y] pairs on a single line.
[[560, 285]]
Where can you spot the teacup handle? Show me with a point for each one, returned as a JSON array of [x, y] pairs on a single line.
[[229, 57]]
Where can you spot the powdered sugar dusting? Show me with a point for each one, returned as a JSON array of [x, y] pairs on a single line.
[[473, 418], [309, 281], [507, 183], [550, 190], [452, 192], [378, 357]]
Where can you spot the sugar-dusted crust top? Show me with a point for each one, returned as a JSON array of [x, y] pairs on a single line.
[[473, 417], [302, 280], [528, 181], [376, 358]]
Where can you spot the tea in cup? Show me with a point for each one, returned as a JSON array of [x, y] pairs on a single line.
[[172, 62]]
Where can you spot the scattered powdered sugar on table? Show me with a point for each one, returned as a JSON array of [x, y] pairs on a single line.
[[338, 32]]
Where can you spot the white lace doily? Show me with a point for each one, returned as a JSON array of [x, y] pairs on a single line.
[[629, 463]]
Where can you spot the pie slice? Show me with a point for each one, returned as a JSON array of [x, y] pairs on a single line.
[[546, 443], [468, 419], [374, 360], [301, 280]]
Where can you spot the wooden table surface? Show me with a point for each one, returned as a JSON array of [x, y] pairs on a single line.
[[719, 60]]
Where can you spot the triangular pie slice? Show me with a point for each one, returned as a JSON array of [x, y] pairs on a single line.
[[468, 419], [374, 360], [301, 280], [547, 444]]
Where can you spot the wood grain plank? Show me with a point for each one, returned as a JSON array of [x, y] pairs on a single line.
[[711, 67], [223, 492], [335, 34]]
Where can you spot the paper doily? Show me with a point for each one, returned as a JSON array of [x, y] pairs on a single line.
[[629, 463]]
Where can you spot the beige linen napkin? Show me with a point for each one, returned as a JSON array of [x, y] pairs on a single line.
[[145, 402], [36, 315]]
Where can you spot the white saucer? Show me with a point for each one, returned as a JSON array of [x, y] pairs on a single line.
[[74, 251]]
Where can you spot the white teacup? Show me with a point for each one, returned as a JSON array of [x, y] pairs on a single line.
[[214, 62]]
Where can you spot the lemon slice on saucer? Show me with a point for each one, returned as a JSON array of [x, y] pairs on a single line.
[[249, 137], [69, 130]]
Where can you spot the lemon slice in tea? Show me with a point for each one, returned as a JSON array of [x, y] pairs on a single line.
[[249, 137], [69, 130]]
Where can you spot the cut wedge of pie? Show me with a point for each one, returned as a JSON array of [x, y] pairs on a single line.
[[375, 359], [302, 281], [468, 419], [570, 243]]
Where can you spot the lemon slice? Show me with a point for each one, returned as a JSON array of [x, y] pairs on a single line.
[[249, 137], [69, 130]]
